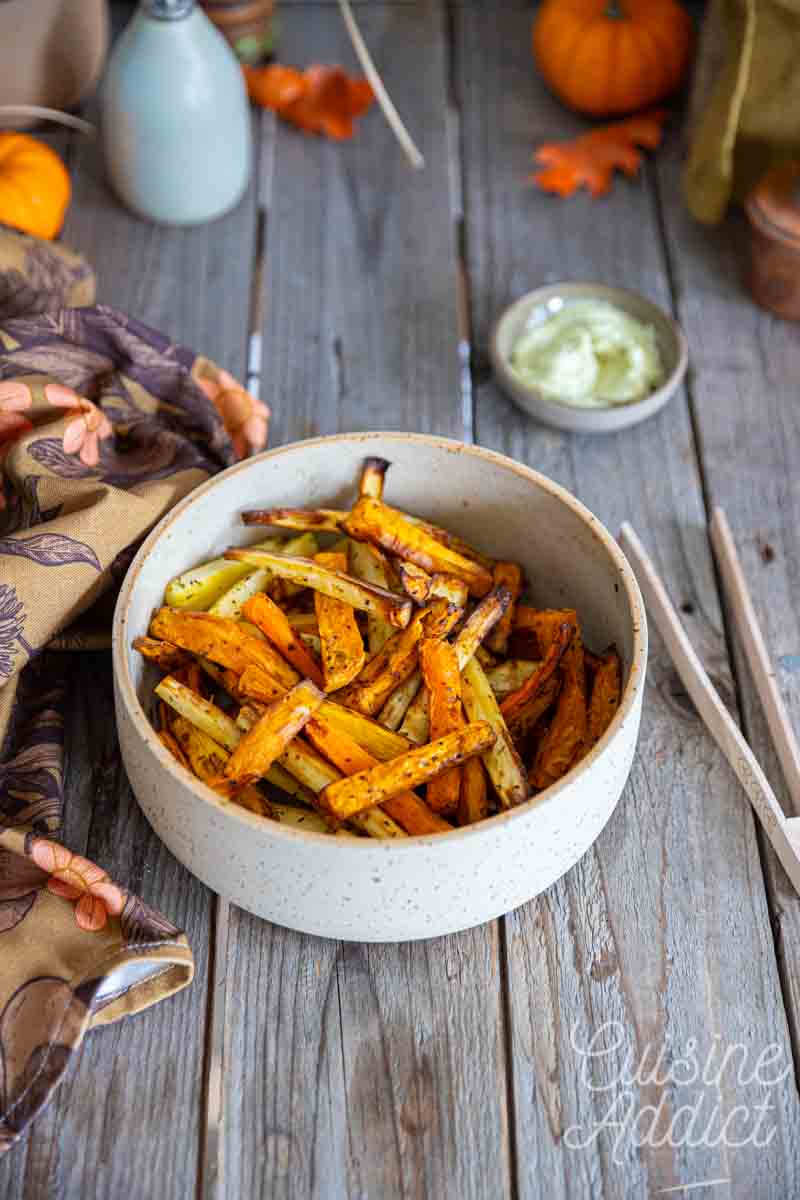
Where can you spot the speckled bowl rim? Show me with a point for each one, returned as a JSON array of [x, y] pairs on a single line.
[[605, 291], [633, 687]]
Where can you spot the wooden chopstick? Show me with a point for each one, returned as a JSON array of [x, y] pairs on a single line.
[[713, 712], [752, 639]]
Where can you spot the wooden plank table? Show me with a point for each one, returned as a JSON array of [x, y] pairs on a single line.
[[523, 1059]]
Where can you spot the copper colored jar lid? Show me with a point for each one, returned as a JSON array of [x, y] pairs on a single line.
[[773, 205]]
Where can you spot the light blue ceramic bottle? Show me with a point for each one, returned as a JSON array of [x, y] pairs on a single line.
[[175, 116]]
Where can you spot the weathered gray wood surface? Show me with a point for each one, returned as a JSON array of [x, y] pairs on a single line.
[[299, 1067]]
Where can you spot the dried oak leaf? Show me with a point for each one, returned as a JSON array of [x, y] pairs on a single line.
[[590, 159], [319, 100]]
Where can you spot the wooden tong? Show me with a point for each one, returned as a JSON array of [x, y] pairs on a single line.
[[782, 831]]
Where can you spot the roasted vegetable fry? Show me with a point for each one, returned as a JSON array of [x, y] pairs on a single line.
[[453, 541], [312, 520], [271, 620], [510, 675], [343, 653], [280, 778], [416, 723], [163, 654], [524, 719], [298, 818], [480, 623], [382, 743], [373, 474], [222, 640], [171, 743], [568, 729], [202, 713], [473, 802], [544, 623], [197, 589], [503, 764], [372, 566], [512, 704], [363, 791], [505, 574], [252, 799], [406, 808], [396, 707], [373, 521], [440, 671], [423, 587], [391, 607], [266, 741], [258, 579], [207, 758], [606, 692]]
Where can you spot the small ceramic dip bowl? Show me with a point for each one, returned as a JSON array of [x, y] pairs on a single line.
[[416, 887], [536, 307]]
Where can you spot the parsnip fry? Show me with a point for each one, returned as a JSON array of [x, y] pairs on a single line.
[[372, 566], [200, 712], [373, 476], [510, 675], [173, 745], [503, 764], [207, 758], [258, 579], [280, 778], [197, 589], [351, 796], [399, 657], [267, 740], [373, 521], [272, 622], [222, 640], [313, 771], [380, 742], [311, 520], [453, 541], [568, 729], [163, 654], [343, 653], [440, 671], [406, 808], [534, 683], [416, 723], [423, 587], [480, 623], [298, 818], [391, 607], [396, 707], [473, 802], [507, 574]]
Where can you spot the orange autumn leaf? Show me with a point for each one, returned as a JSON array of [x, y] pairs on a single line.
[[320, 99], [591, 158]]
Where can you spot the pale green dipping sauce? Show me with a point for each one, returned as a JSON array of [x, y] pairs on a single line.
[[590, 354]]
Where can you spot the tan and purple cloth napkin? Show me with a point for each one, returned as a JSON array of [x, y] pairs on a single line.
[[104, 425]]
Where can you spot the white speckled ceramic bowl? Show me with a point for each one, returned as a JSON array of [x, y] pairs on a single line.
[[543, 302], [362, 889]]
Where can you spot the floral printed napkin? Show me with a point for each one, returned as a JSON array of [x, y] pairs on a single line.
[[104, 424]]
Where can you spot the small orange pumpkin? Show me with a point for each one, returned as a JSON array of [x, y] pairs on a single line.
[[610, 57], [34, 186]]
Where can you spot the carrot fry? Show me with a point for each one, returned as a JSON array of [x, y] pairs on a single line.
[[373, 521], [272, 622], [440, 671], [163, 654], [267, 740], [508, 574], [316, 520], [534, 683], [503, 764], [391, 607], [343, 653], [453, 541], [406, 808], [368, 788], [473, 802], [222, 640], [606, 692], [522, 721], [544, 623], [373, 476], [568, 729]]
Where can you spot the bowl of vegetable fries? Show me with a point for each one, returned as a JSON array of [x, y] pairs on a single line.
[[379, 687]]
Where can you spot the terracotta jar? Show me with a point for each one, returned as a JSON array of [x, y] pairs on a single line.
[[51, 51], [773, 208], [249, 26]]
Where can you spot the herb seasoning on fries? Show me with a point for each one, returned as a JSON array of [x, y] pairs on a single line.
[[387, 683]]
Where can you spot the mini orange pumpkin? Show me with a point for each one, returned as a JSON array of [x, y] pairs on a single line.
[[34, 185], [610, 57]]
